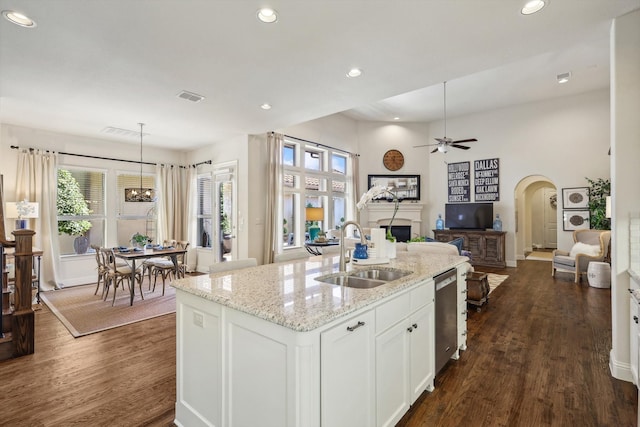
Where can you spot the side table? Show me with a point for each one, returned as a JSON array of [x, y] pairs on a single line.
[[477, 289]]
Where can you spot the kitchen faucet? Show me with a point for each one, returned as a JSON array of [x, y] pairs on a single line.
[[343, 260]]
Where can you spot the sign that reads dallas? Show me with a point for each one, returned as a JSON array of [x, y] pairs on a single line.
[[487, 180], [458, 175]]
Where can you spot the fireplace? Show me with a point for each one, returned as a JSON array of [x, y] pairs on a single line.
[[402, 233], [408, 215]]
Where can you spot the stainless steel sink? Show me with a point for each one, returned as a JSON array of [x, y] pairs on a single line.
[[378, 274], [352, 281], [364, 279]]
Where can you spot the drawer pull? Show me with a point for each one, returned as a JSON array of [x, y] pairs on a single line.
[[464, 291], [415, 326], [635, 319], [410, 329], [353, 328]]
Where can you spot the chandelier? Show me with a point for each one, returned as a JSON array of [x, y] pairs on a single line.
[[139, 194]]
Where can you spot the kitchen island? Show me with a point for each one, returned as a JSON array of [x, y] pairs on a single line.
[[273, 346]]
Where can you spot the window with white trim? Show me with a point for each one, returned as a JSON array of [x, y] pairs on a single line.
[[205, 210], [81, 212], [312, 177]]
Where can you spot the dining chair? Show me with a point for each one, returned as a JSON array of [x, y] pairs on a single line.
[[102, 270], [165, 267], [116, 274], [147, 264]]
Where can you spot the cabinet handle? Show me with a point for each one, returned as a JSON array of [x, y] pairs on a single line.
[[464, 312], [410, 329], [635, 319], [415, 326], [464, 333], [356, 326], [464, 291]]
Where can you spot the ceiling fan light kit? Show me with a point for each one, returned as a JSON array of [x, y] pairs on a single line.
[[444, 143]]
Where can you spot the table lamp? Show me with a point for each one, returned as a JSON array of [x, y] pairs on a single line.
[[314, 214], [22, 211]]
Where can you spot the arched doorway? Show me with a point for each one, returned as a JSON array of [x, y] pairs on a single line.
[[536, 215]]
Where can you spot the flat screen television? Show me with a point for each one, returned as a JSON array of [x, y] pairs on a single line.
[[468, 216]]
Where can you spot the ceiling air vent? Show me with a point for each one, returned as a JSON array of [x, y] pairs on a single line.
[[190, 96], [126, 133]]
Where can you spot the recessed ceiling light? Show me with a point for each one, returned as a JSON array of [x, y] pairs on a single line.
[[267, 15], [266, 106], [533, 6], [18, 18], [354, 72], [564, 77]]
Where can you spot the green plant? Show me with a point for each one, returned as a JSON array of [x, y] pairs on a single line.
[[599, 189], [284, 226], [71, 202], [417, 239], [140, 239]]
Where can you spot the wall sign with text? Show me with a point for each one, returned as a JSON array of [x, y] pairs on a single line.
[[487, 180], [459, 179]]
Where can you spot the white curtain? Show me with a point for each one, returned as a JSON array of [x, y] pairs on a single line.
[[173, 202], [36, 181], [273, 221], [354, 187], [192, 217]]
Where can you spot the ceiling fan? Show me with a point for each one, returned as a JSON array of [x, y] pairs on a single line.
[[444, 143]]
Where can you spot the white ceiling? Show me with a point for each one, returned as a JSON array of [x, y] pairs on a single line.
[[89, 65]]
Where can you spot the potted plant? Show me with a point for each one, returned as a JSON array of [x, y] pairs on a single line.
[[71, 202], [140, 240], [599, 189]]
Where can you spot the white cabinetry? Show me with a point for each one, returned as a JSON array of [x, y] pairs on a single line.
[[634, 314], [347, 378], [405, 363]]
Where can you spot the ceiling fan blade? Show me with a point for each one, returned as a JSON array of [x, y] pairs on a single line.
[[465, 140], [434, 150], [444, 140], [424, 145], [464, 147]]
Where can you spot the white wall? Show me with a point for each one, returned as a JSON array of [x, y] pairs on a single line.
[[565, 139], [625, 176]]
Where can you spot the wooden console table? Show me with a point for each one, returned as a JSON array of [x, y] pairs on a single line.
[[486, 247]]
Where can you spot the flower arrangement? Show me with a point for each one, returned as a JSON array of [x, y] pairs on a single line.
[[374, 192], [140, 239], [24, 208]]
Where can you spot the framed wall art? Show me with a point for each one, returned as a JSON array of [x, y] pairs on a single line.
[[575, 198], [575, 220], [406, 187]]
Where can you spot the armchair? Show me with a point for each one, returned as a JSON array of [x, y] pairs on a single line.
[[590, 245]]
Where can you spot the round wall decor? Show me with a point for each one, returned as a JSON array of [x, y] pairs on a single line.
[[393, 160]]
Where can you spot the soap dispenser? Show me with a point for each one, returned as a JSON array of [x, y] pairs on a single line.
[[497, 223], [439, 223]]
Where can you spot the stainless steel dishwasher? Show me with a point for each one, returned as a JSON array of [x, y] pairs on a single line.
[[446, 316]]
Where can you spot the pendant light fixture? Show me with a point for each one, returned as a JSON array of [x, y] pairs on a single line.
[[139, 194]]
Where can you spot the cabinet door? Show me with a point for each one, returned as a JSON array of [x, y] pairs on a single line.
[[633, 338], [493, 249], [392, 374], [347, 373], [422, 348]]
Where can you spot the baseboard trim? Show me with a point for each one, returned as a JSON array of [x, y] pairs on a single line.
[[619, 370]]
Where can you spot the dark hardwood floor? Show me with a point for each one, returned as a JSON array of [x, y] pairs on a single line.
[[538, 355]]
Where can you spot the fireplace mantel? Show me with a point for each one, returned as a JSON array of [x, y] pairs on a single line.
[[408, 214]]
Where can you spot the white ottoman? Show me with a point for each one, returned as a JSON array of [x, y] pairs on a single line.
[[599, 274]]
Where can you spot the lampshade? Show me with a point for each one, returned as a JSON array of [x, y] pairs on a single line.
[[29, 210], [608, 207], [314, 214]]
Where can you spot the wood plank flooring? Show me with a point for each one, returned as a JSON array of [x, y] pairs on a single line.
[[538, 355]]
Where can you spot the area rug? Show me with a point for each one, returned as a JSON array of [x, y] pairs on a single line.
[[495, 280], [84, 313], [540, 256]]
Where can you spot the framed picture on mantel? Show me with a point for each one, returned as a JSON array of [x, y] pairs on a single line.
[[406, 187]]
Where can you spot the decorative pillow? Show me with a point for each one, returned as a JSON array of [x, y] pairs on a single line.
[[458, 244], [583, 248]]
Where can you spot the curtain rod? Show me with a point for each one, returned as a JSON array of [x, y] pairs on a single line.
[[317, 144], [15, 147]]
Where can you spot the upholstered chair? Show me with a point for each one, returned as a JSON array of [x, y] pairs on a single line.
[[589, 245]]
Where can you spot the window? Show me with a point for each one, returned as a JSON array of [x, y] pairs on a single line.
[[135, 217], [312, 177], [205, 210], [80, 209]]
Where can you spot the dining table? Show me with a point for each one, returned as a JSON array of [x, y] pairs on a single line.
[[133, 255]]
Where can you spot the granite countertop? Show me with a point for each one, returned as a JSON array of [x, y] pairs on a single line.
[[287, 293]]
